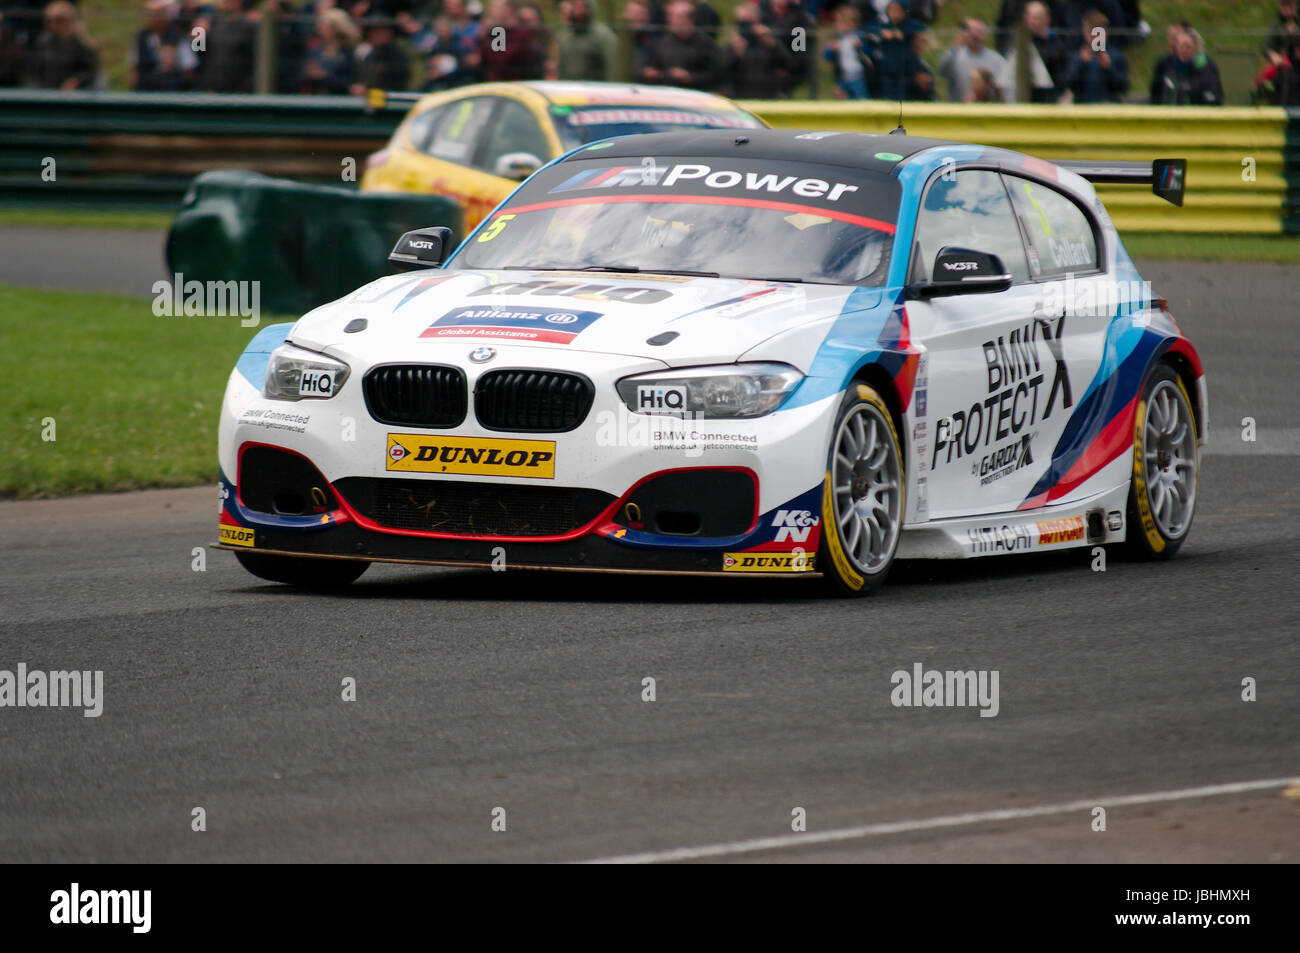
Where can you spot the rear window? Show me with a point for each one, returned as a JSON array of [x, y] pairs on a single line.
[[578, 125]]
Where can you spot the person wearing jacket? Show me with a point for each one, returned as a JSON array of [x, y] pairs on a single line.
[[893, 48], [64, 56], [681, 55], [754, 63], [1096, 76], [1187, 77], [587, 49], [848, 55]]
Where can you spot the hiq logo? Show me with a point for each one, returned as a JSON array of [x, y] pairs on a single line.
[[794, 525], [653, 398], [314, 382]]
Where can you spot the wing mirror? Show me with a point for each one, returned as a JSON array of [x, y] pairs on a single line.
[[422, 248], [961, 271], [517, 165]]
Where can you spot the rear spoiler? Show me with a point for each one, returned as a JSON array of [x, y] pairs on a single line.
[[1167, 177]]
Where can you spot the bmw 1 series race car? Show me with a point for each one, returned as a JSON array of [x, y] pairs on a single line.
[[714, 352]]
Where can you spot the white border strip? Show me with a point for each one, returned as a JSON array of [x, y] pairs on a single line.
[[933, 823]]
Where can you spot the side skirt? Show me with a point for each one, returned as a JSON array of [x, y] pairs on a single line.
[[1096, 521]]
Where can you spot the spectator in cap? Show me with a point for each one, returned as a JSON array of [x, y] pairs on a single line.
[[381, 62]]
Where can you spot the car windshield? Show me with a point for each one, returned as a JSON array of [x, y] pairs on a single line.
[[725, 217], [579, 125]]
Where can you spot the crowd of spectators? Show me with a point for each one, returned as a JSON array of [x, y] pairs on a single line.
[[875, 48]]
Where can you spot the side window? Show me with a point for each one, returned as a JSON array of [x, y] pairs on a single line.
[[514, 130], [460, 133], [1060, 235], [968, 209], [420, 129]]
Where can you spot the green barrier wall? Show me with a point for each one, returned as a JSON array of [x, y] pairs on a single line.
[[141, 149], [306, 244], [1239, 160]]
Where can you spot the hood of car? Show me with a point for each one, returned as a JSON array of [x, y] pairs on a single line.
[[673, 319]]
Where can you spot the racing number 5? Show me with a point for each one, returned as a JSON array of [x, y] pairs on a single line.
[[494, 228]]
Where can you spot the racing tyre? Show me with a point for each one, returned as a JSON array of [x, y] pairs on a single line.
[[1166, 463], [303, 571], [862, 496]]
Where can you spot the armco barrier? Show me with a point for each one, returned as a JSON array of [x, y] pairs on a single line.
[[1225, 192], [141, 150], [133, 149]]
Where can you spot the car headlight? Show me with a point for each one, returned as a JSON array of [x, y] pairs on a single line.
[[722, 391], [295, 374]]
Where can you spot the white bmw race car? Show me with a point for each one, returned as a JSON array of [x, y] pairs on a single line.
[[722, 352]]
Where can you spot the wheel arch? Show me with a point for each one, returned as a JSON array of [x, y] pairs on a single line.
[[1188, 370], [882, 382]]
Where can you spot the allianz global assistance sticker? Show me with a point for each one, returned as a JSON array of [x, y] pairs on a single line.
[[234, 535], [475, 456]]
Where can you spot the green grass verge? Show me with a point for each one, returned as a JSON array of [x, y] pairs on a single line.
[[86, 218], [1269, 248], [135, 398]]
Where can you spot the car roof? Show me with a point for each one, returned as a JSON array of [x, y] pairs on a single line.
[[569, 93], [858, 150]]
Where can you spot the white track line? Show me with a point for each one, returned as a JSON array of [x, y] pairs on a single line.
[[951, 820]]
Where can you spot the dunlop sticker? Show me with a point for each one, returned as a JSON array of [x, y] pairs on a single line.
[[234, 535], [474, 456]]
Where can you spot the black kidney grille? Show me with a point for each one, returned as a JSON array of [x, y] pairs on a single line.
[[416, 395], [532, 401], [473, 509]]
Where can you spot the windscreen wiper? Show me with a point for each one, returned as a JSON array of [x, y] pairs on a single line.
[[633, 269]]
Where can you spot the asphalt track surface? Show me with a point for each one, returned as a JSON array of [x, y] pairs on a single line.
[[478, 690]]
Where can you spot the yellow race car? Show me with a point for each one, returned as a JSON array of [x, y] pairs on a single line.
[[477, 143]]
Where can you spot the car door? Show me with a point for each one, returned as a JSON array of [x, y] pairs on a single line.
[[982, 423], [1074, 300]]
